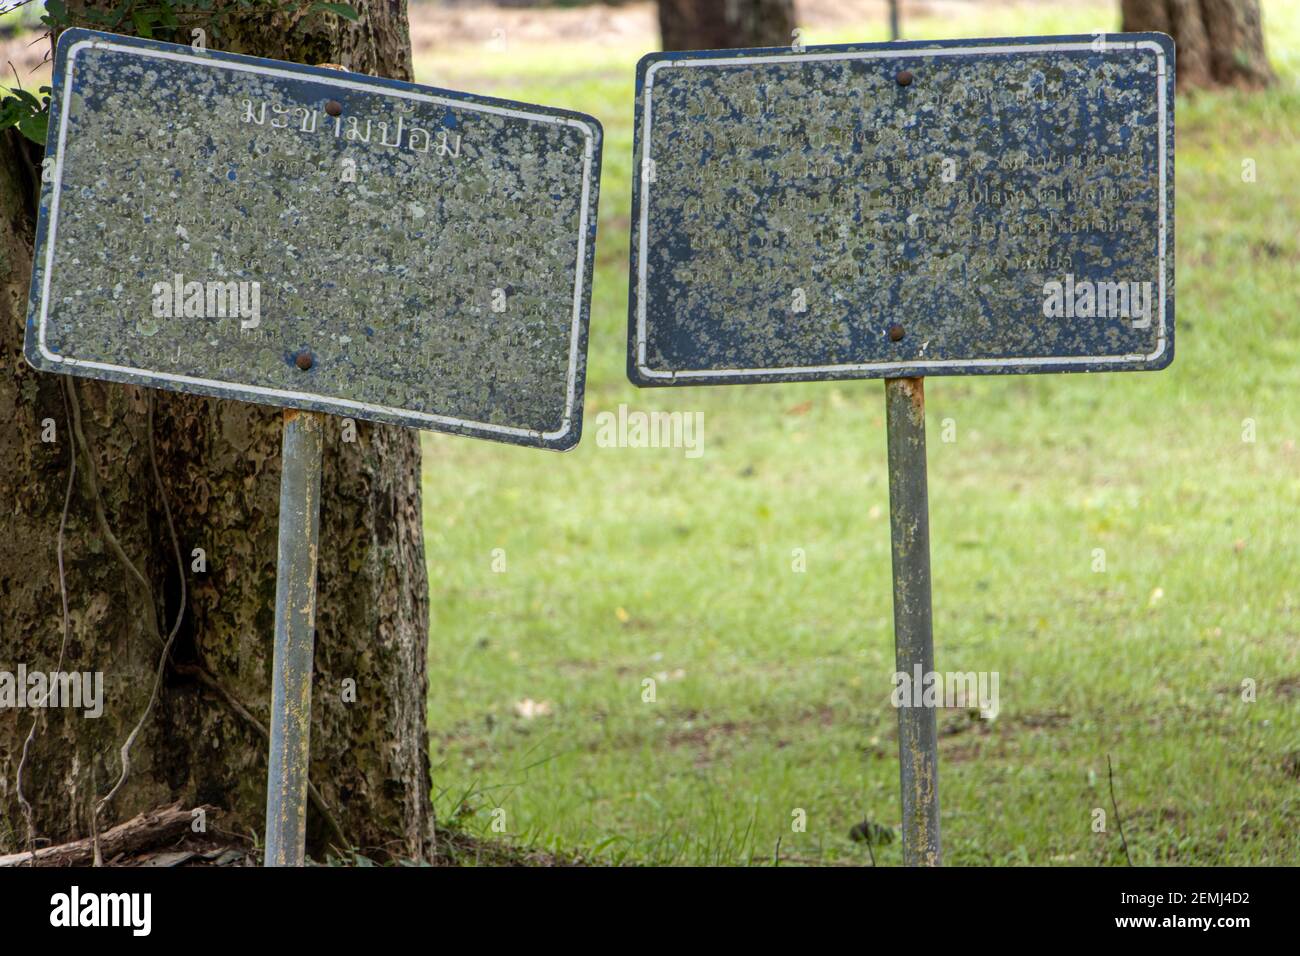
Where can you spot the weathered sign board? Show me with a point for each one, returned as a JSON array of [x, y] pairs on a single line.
[[315, 239], [903, 210]]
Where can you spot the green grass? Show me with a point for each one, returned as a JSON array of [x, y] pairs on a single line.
[[773, 686]]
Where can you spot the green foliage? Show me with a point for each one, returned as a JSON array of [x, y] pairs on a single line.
[[30, 115], [155, 20]]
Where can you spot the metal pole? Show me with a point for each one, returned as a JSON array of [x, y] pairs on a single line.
[[295, 631], [893, 19], [909, 523], [295, 625]]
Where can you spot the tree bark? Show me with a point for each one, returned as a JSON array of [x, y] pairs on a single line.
[[1218, 42], [725, 24], [218, 466]]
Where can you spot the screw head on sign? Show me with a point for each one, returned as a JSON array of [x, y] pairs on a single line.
[[304, 360], [904, 77], [895, 332], [334, 108]]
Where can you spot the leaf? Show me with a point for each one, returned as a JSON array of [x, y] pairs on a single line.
[[340, 9], [529, 708], [27, 98], [19, 108], [143, 23], [35, 126]]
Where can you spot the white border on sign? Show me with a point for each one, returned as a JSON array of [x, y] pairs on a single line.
[[641, 338], [340, 403]]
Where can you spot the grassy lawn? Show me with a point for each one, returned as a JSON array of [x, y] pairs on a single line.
[[772, 687]]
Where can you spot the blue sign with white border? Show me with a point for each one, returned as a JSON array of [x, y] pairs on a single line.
[[905, 209]]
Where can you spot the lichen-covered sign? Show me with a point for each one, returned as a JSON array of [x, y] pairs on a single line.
[[905, 209], [277, 233]]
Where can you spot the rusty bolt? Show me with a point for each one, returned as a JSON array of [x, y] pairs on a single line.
[[334, 108], [304, 360], [895, 332], [904, 77]]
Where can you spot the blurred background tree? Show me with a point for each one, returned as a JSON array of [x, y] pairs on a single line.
[[725, 24], [1219, 42]]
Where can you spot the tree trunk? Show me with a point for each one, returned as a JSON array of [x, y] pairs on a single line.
[[218, 465], [1218, 42], [725, 24]]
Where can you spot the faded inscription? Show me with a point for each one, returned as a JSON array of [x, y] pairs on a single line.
[[411, 255]]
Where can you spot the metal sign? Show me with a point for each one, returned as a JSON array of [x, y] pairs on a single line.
[[295, 236], [903, 210]]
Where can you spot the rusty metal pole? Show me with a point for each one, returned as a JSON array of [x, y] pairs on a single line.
[[295, 637], [295, 626], [909, 524]]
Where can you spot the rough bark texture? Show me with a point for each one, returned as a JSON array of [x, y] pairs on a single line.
[[1219, 42], [219, 465], [725, 24]]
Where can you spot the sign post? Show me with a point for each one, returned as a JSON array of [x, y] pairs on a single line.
[[295, 636], [900, 211], [322, 241], [909, 529], [298, 541]]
